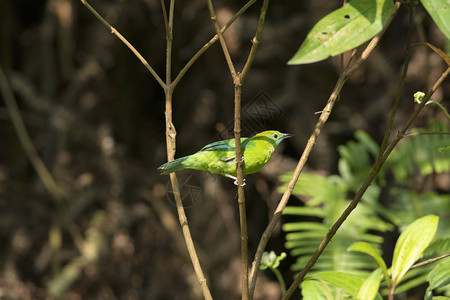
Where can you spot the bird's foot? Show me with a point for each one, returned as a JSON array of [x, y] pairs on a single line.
[[235, 179], [235, 161], [243, 182]]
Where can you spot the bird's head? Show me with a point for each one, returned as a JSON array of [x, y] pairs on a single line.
[[272, 136]]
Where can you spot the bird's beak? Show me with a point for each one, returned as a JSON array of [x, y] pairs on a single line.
[[287, 135]]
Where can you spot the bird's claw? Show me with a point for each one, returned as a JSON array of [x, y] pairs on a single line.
[[235, 161], [243, 182], [235, 179]]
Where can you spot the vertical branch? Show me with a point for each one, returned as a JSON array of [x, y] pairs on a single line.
[[237, 133], [241, 194], [239, 159], [238, 79], [347, 73], [171, 148]]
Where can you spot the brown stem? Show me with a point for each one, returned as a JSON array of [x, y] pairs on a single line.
[[238, 79], [211, 42], [347, 73], [402, 80], [171, 148], [241, 194], [125, 41], [226, 52], [375, 169], [429, 261]]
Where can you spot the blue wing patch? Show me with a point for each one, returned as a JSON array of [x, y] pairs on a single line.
[[226, 145]]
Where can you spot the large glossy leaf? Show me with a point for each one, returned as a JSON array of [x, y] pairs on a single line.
[[439, 10], [346, 28], [411, 244]]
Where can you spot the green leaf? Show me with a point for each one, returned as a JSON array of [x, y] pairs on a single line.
[[439, 10], [348, 282], [314, 290], [346, 28], [369, 288], [370, 250], [440, 275], [411, 243]]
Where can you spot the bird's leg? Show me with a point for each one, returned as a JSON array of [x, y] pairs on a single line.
[[234, 159], [235, 179], [229, 159]]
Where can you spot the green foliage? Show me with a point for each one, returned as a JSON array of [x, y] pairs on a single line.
[[411, 244], [338, 285], [324, 199], [409, 247], [369, 288], [439, 10], [438, 277], [344, 29], [375, 254], [419, 153]]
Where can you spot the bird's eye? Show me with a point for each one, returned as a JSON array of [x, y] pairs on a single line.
[[275, 136]]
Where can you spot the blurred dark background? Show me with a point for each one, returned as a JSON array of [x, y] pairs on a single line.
[[96, 117]]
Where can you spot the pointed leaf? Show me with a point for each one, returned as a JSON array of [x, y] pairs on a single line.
[[439, 10], [370, 250], [346, 28], [411, 243], [369, 288]]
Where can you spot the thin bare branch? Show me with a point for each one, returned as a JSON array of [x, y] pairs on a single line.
[[429, 261], [402, 81], [131, 47], [171, 148], [347, 73], [255, 40], [210, 43], [226, 52], [376, 168], [164, 12]]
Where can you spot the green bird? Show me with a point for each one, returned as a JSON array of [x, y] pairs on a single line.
[[220, 157]]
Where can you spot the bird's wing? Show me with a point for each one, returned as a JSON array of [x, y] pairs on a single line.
[[224, 145]]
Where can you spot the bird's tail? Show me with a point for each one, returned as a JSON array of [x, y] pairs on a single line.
[[172, 166]]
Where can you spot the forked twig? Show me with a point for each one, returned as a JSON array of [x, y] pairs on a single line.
[[238, 79], [125, 41], [171, 147]]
